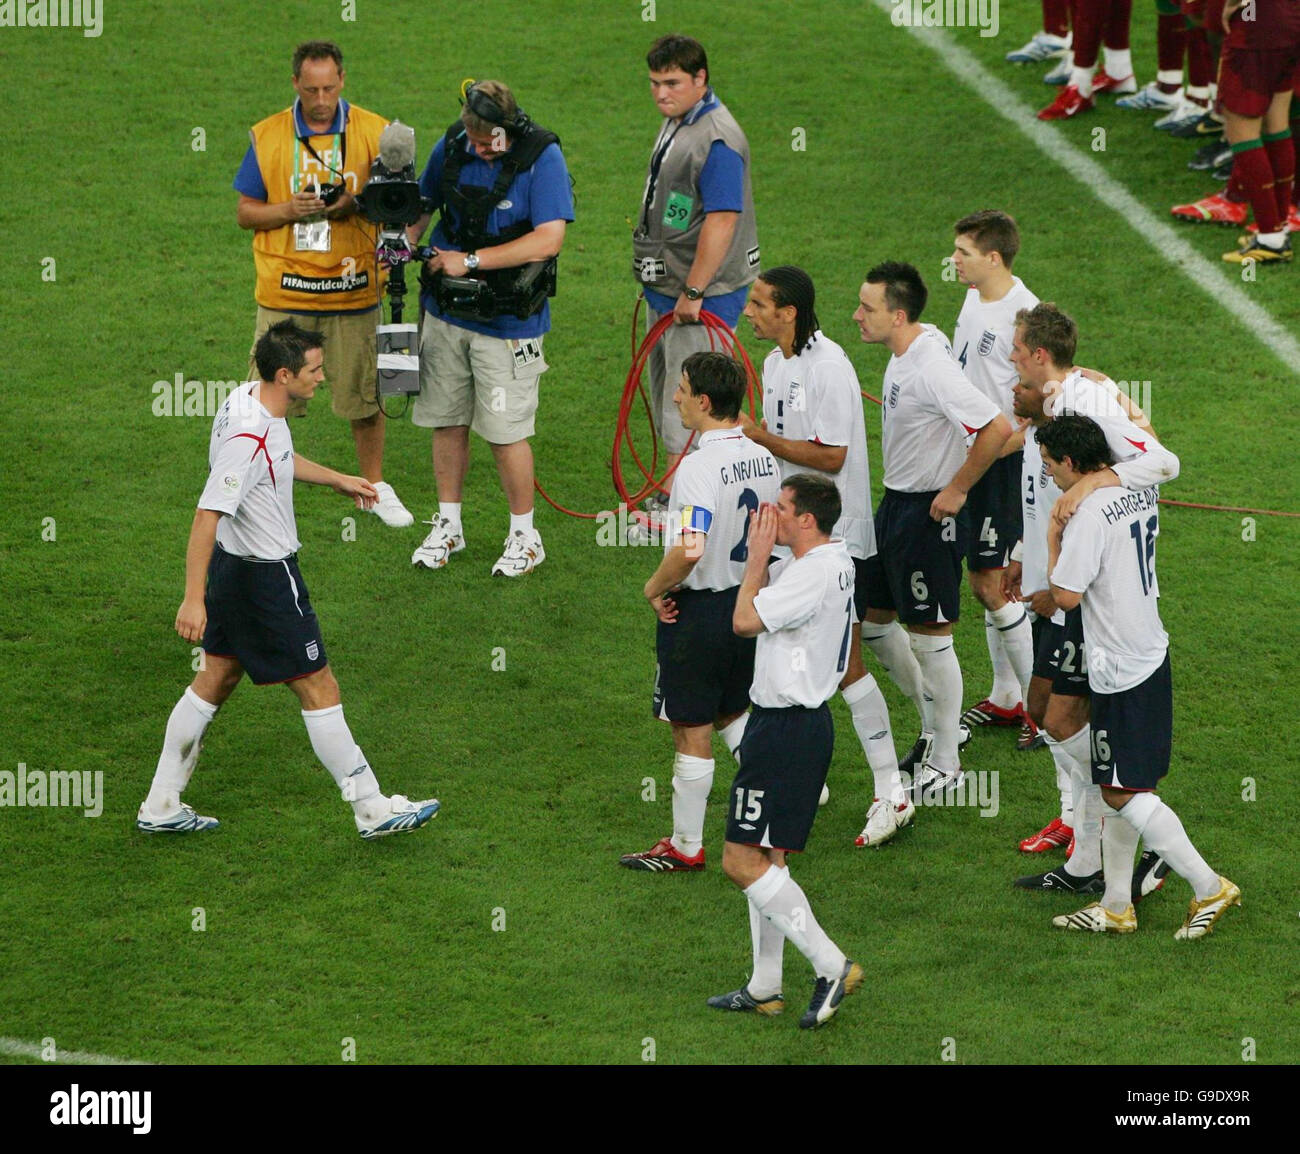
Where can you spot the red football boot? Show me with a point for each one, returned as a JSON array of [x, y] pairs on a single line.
[[1054, 835], [1068, 103]]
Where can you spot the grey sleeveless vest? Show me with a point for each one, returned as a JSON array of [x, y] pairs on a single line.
[[669, 228]]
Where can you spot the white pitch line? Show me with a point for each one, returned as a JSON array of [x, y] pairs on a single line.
[[1211, 278], [17, 1048]]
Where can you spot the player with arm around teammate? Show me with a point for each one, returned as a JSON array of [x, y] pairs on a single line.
[[1103, 560], [245, 599], [704, 669], [813, 421], [801, 611], [1052, 385]]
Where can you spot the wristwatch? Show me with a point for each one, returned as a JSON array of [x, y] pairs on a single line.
[[693, 294], [471, 261]]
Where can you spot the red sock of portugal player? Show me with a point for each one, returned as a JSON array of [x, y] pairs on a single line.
[[1281, 157], [1251, 167]]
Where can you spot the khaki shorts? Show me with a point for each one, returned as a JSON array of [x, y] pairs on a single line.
[[487, 383], [350, 366]]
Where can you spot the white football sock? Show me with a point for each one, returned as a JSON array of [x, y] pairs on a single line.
[[1160, 828], [733, 734], [450, 510], [1081, 78], [1065, 787], [779, 899], [180, 753], [1118, 62], [1075, 753], [871, 723], [1172, 76], [890, 645], [769, 954], [339, 753], [521, 521], [942, 677], [692, 780], [1009, 632], [1006, 689], [1119, 841]]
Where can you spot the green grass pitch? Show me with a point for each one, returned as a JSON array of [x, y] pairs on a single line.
[[505, 932]]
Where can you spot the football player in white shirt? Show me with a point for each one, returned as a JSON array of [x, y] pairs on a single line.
[[704, 670], [245, 599], [801, 611], [929, 410], [983, 253], [1103, 559], [1050, 385], [812, 420]]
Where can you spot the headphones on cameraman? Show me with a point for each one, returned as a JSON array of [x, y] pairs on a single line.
[[485, 108]]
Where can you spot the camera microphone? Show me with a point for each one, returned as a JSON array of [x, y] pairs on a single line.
[[397, 146]]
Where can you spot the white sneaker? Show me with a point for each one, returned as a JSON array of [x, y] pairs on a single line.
[[439, 545], [401, 816], [523, 553], [1150, 98], [884, 821], [1061, 73], [389, 507], [1044, 46], [1184, 112], [825, 796]]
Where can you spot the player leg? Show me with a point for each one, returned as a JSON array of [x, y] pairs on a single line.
[[887, 639], [890, 809], [702, 677], [1134, 734], [163, 811], [783, 765], [1076, 96], [1116, 76], [445, 404], [337, 750], [993, 507], [1249, 83], [925, 578]]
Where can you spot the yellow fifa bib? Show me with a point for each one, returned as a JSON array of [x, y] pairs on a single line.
[[316, 269]]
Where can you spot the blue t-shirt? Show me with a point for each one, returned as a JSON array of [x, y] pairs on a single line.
[[248, 179], [540, 194], [722, 189]]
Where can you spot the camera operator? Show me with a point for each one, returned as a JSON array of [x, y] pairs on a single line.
[[314, 256], [501, 188]]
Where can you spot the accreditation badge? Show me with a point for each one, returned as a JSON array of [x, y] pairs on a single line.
[[312, 236]]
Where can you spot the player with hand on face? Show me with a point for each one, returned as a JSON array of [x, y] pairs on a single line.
[[984, 251], [929, 411], [246, 601], [1050, 386], [704, 670], [1102, 560], [801, 611], [813, 421]]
